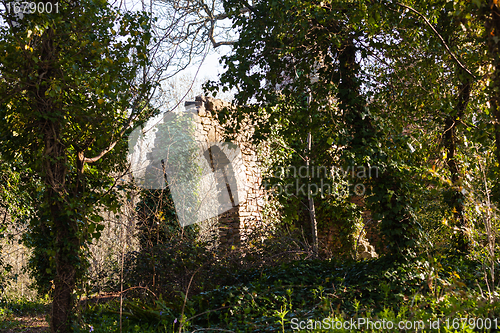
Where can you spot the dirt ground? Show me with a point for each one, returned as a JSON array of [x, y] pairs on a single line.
[[28, 324], [38, 324]]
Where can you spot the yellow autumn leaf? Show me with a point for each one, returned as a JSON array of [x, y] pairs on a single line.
[[100, 101], [433, 170]]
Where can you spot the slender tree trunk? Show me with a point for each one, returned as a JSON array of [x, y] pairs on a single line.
[[493, 36], [451, 141], [312, 210]]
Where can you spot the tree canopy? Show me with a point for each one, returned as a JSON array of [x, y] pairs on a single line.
[[405, 87]]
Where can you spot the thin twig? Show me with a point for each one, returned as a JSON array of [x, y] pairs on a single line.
[[439, 36], [185, 298]]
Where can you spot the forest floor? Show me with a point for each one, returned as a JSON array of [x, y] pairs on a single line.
[[443, 289], [34, 323], [32, 317]]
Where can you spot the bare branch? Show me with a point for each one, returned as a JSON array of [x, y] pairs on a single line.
[[213, 20], [131, 120], [440, 38]]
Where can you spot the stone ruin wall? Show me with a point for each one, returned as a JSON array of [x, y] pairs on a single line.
[[235, 224]]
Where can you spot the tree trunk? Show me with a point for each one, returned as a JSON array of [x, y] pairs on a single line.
[[312, 211], [64, 228], [55, 170], [450, 141], [493, 34], [65, 281]]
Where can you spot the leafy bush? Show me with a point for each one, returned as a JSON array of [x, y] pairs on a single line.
[[189, 266], [269, 298], [168, 268]]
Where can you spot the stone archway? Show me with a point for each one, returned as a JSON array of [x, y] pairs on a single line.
[[239, 186], [227, 192], [211, 180]]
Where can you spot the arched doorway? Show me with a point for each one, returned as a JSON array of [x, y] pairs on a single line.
[[227, 196]]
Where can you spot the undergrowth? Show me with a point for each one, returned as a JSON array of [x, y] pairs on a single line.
[[316, 295], [21, 307]]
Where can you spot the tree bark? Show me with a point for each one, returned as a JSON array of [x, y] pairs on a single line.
[[312, 210], [64, 227], [57, 195], [66, 259], [493, 37], [450, 141]]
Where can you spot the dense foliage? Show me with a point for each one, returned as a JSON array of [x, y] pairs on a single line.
[[401, 87], [273, 299], [70, 88], [393, 107]]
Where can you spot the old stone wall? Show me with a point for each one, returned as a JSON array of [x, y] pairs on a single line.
[[245, 216]]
